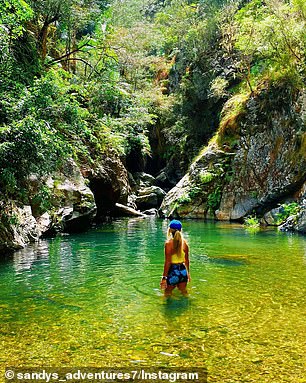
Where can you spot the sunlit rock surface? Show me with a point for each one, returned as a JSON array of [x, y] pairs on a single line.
[[252, 172], [71, 207], [17, 228], [73, 203]]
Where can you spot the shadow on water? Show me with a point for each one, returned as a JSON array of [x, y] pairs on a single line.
[[6, 258], [226, 262], [58, 304], [222, 261], [175, 306]]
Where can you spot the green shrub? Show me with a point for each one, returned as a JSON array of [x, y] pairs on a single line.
[[7, 216], [251, 222], [13, 219], [271, 40], [195, 192], [214, 198], [206, 177], [28, 146], [8, 180], [287, 210], [41, 202], [184, 199]]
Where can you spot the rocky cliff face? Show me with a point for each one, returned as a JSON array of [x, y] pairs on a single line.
[[67, 201], [109, 182], [256, 161], [17, 227], [66, 204]]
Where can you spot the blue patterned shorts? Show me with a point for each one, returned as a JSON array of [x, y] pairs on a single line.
[[177, 274]]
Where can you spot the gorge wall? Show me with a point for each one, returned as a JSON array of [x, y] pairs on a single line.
[[256, 161]]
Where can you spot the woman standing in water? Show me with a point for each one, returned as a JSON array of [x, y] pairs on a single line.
[[176, 268]]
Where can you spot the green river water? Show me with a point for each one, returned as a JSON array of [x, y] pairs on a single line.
[[93, 299]]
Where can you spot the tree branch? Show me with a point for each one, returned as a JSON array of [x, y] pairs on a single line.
[[289, 46], [66, 55], [76, 59]]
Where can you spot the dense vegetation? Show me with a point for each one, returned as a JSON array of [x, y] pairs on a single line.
[[142, 78]]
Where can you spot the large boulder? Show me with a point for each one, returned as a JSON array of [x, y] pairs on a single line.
[[272, 217], [61, 202], [109, 182], [300, 224], [149, 197], [17, 227], [75, 206], [145, 194], [72, 205], [269, 164], [297, 222], [142, 180], [197, 194], [170, 175]]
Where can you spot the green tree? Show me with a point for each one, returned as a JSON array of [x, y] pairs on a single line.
[[60, 25], [271, 39], [13, 16]]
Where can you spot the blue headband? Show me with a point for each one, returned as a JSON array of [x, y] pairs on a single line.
[[175, 224]]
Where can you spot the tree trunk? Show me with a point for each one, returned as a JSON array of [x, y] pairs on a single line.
[[42, 40]]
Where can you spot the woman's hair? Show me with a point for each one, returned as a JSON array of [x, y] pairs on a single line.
[[177, 240]]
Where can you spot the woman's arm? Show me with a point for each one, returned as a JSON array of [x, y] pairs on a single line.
[[167, 261], [168, 251], [187, 263]]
